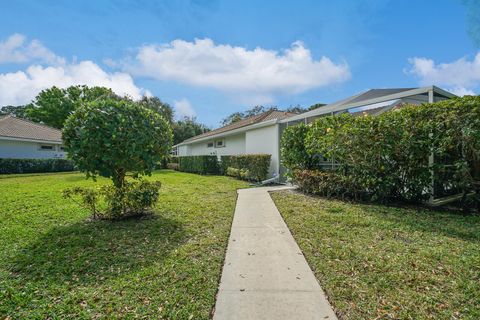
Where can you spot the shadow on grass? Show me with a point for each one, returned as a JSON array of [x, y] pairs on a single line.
[[92, 252], [423, 219], [443, 223], [33, 174], [448, 225], [75, 178]]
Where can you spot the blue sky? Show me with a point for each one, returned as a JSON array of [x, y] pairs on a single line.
[[211, 58]]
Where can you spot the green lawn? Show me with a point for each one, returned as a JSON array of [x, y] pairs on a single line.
[[55, 264], [378, 262]]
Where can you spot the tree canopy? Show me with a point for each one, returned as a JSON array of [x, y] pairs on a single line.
[[17, 111], [110, 137], [237, 116], [156, 105], [187, 128], [53, 106], [315, 106]]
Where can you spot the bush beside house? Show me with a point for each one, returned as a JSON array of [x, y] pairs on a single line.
[[199, 164], [173, 166], [293, 149], [386, 157], [10, 166], [253, 167]]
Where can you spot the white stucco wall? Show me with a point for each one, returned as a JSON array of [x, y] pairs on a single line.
[[234, 144], [182, 151], [28, 150], [264, 140]]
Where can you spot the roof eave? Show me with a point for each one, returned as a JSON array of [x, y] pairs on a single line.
[[30, 140], [394, 96], [231, 132]]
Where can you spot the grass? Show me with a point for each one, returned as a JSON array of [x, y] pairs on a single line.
[[55, 264], [378, 262]]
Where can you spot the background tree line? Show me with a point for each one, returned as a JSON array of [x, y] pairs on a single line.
[[53, 106], [256, 110]]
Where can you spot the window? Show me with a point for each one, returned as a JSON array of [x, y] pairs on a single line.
[[46, 147], [210, 144], [219, 143], [61, 148]]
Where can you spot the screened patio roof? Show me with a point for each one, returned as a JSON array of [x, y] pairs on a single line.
[[375, 98]]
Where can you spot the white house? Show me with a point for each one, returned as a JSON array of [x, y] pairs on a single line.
[[253, 135], [262, 133], [23, 139]]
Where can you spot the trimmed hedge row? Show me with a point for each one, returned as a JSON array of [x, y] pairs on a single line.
[[249, 166], [386, 157], [173, 166], [253, 167], [325, 183], [10, 166], [199, 164], [293, 149], [238, 173]]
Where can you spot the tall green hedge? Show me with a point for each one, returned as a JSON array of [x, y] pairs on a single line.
[[256, 165], [386, 157], [9, 166], [199, 164], [293, 148], [253, 167]]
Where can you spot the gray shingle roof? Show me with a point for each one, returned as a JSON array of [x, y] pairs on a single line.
[[366, 97], [376, 93], [12, 127], [266, 116], [378, 110]]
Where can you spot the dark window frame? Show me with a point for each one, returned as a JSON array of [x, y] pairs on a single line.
[[46, 147], [222, 143]]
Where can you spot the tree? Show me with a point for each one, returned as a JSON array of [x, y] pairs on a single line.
[[110, 137], [316, 105], [53, 106], [155, 104], [182, 129], [234, 117], [237, 116], [257, 110], [187, 128], [17, 111], [296, 109]]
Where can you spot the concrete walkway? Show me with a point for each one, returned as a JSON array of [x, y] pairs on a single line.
[[265, 275]]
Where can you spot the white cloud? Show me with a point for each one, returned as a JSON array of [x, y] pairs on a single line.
[[22, 86], [461, 76], [184, 108], [16, 49], [461, 91], [258, 74]]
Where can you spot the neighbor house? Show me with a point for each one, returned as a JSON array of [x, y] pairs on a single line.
[[262, 133], [23, 139], [253, 135]]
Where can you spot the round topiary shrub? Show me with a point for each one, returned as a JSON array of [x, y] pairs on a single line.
[[112, 137]]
